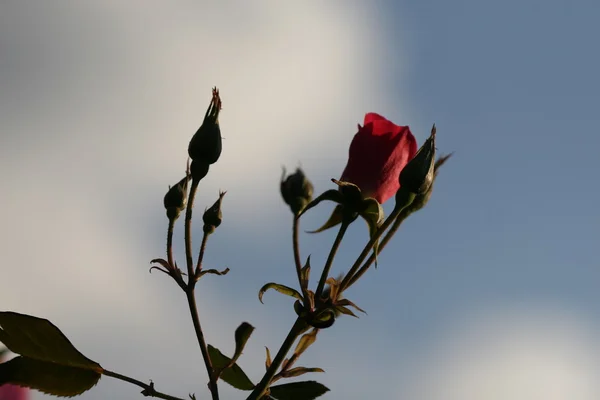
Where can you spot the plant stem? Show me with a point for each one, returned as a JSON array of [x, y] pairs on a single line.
[[212, 384], [262, 386], [332, 252], [397, 222], [296, 245], [189, 291], [148, 389], [188, 233], [170, 242], [201, 253], [408, 198]]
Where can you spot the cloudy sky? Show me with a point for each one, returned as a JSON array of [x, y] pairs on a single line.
[[490, 293]]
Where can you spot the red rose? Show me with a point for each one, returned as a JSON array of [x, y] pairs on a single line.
[[378, 153]]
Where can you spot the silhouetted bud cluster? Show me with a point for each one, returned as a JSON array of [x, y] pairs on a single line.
[[206, 144], [175, 199], [296, 190], [212, 217]]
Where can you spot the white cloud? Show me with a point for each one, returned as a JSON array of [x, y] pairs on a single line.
[[535, 352]]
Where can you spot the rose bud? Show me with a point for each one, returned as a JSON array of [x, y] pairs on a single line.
[[418, 174], [378, 152], [175, 198], [205, 146], [296, 190], [212, 217]]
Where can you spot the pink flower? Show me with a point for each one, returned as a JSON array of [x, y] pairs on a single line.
[[12, 392], [378, 153]]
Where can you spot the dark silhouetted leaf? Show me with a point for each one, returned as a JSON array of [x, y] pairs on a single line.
[[242, 334], [232, 375], [39, 339], [48, 362], [306, 390], [47, 377], [281, 289], [299, 371]]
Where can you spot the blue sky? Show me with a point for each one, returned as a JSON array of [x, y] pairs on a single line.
[[490, 293]]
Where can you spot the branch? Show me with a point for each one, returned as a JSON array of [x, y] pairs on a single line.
[[148, 389], [262, 386], [332, 252]]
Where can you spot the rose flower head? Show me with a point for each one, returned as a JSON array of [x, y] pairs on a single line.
[[378, 152]]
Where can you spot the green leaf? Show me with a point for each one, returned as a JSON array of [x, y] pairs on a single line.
[[48, 362], [242, 334], [281, 289], [331, 195], [39, 339], [305, 341], [233, 375], [48, 377], [306, 390], [299, 371]]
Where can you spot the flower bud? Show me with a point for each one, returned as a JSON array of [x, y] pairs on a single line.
[[296, 190], [417, 176], [206, 145], [175, 198], [212, 217]]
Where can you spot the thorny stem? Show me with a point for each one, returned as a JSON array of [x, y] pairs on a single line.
[[201, 253], [262, 386], [346, 281], [188, 233], [148, 389], [189, 291], [212, 384], [296, 245], [329, 262], [170, 242]]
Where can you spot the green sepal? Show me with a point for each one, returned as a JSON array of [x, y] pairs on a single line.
[[336, 218], [331, 195], [288, 291], [373, 215], [293, 372]]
